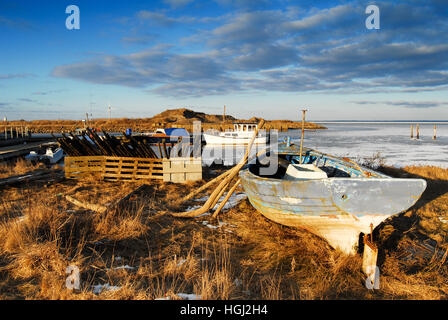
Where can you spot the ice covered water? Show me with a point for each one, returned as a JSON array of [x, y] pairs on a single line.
[[391, 141]]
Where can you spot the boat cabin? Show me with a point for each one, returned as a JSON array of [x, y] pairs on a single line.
[[245, 127]]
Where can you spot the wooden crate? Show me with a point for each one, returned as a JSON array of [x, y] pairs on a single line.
[[133, 169], [182, 169]]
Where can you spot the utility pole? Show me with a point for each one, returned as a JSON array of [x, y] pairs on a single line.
[[109, 109], [224, 117], [303, 130]]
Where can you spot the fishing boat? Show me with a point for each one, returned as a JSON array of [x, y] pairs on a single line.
[[331, 197], [242, 134]]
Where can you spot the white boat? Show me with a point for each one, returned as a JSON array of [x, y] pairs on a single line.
[[242, 134], [49, 156], [333, 198]]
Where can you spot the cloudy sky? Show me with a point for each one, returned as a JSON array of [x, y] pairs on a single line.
[[263, 58]]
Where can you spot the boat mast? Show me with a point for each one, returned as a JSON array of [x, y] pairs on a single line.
[[303, 129]]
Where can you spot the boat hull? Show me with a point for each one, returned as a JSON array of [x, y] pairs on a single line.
[[336, 209], [216, 139]]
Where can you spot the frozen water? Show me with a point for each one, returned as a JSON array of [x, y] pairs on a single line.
[[391, 140], [360, 140]]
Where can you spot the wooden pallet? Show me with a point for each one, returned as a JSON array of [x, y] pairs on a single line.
[[134, 169]]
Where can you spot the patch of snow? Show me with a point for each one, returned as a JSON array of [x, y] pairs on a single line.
[[125, 267], [164, 298], [443, 219], [181, 262], [232, 202], [193, 208], [100, 287], [203, 199], [187, 296], [212, 226], [203, 215]]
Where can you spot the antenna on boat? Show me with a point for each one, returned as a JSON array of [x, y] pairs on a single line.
[[303, 129]]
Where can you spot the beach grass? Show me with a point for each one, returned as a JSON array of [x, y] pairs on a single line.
[[139, 252]]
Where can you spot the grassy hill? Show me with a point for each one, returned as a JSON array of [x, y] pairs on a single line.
[[169, 118]]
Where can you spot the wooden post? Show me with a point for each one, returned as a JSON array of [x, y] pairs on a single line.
[[303, 130], [434, 137], [418, 132], [412, 131], [6, 133]]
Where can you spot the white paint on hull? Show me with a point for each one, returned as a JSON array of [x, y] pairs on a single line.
[[336, 209], [340, 231], [215, 139]]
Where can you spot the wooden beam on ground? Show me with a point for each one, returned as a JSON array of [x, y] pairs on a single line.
[[90, 206]]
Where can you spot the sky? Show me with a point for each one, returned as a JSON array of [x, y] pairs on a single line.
[[264, 58]]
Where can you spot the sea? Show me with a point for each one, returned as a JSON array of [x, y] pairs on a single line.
[[389, 141]]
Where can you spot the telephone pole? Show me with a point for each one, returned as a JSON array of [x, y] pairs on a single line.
[[303, 129], [224, 117]]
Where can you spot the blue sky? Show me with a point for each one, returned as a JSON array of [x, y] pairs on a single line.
[[259, 58]]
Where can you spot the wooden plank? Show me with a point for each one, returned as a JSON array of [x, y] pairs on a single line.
[[83, 159], [130, 175], [90, 206], [131, 159], [114, 167], [132, 170], [131, 179]]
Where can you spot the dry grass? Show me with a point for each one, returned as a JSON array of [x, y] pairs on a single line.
[[143, 254], [168, 118], [17, 167]]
